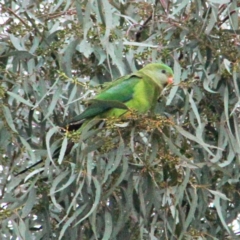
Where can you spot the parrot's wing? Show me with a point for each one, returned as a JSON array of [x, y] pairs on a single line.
[[121, 89], [113, 96], [97, 107]]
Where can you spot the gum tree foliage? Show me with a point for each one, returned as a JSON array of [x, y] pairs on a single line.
[[171, 175]]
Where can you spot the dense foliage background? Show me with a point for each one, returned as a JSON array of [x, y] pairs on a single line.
[[174, 175]]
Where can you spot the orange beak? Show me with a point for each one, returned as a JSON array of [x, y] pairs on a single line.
[[170, 80]]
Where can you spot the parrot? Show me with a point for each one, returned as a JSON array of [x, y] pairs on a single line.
[[137, 92]]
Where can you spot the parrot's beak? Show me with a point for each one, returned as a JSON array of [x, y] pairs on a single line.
[[170, 80]]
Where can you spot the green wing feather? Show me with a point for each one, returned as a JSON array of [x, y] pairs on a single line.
[[113, 96], [121, 89]]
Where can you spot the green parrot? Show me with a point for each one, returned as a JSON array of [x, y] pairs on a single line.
[[138, 92]]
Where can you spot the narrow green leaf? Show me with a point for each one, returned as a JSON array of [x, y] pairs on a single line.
[[235, 76], [118, 157], [74, 201], [35, 45], [90, 166], [69, 181], [217, 204], [16, 43], [96, 201], [114, 161], [108, 226], [20, 99], [16, 229], [212, 21], [108, 20], [154, 149], [208, 79], [46, 93], [8, 117], [226, 107], [193, 207], [70, 99], [53, 189], [236, 106], [195, 139], [29, 203], [53, 103], [22, 228], [79, 12], [177, 78], [29, 148], [230, 158], [182, 187], [48, 142], [67, 56], [33, 173], [182, 4], [67, 224], [87, 23], [20, 55], [63, 150], [120, 179], [219, 194], [194, 108], [185, 161], [93, 221], [219, 1]]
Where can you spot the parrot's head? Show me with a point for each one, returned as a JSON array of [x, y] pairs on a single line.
[[159, 72]]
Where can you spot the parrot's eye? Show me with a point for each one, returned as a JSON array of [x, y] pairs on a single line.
[[163, 71]]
